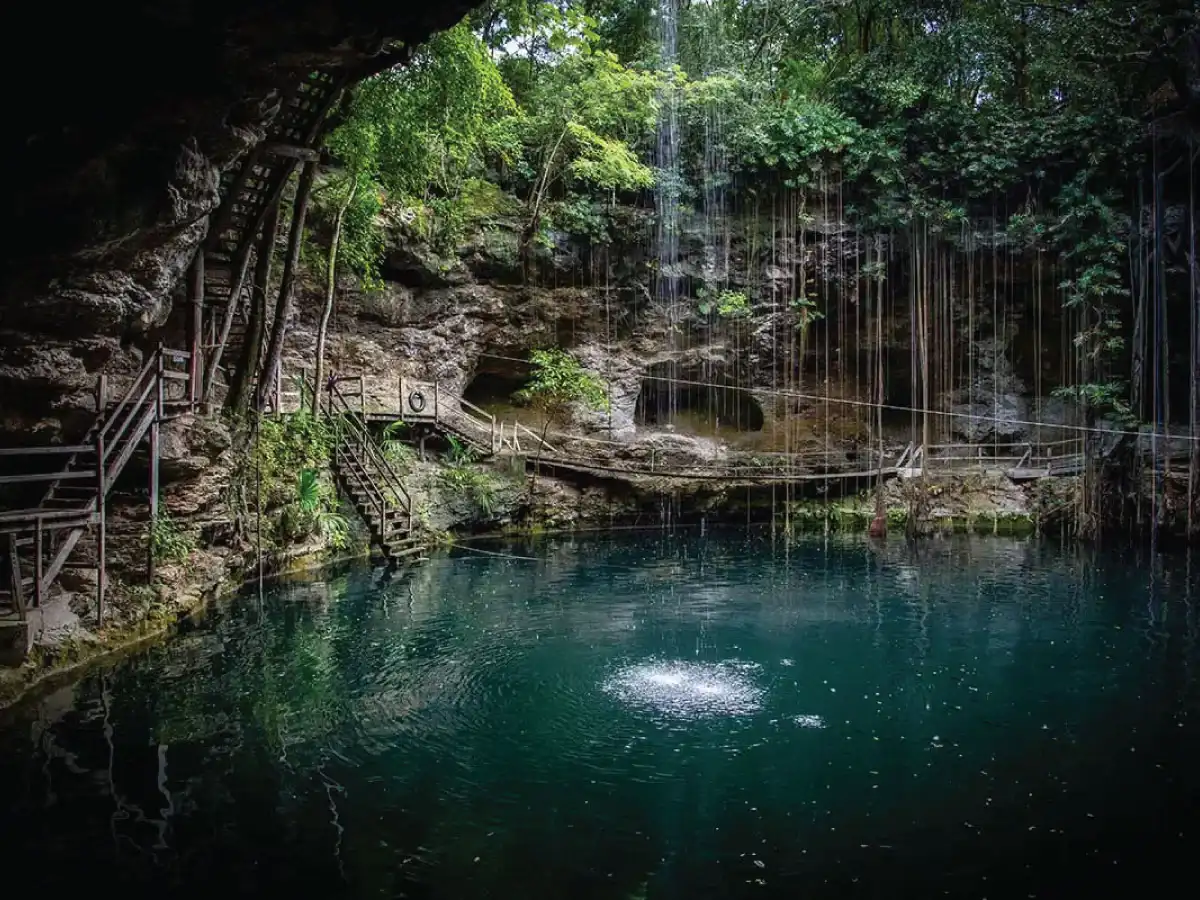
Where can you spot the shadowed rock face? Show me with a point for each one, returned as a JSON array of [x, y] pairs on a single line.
[[121, 117]]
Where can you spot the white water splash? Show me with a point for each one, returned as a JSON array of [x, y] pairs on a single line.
[[809, 721], [688, 690]]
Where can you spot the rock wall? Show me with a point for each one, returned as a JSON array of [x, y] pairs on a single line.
[[116, 138], [470, 317]]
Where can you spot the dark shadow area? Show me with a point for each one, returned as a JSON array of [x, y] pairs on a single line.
[[489, 389], [672, 396]]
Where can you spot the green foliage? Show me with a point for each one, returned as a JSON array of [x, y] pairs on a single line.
[[559, 381], [399, 454], [460, 454], [1106, 399], [291, 457], [726, 304], [413, 140], [807, 312], [308, 491], [168, 542], [287, 445], [313, 511], [478, 486]]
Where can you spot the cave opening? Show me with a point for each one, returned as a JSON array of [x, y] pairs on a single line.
[[493, 386], [677, 398]]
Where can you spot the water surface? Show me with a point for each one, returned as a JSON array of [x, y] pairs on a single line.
[[638, 716]]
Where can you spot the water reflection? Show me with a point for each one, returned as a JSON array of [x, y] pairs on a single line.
[[657, 714]]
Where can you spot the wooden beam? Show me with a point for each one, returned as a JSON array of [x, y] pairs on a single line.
[[305, 154], [196, 329], [101, 525], [18, 587]]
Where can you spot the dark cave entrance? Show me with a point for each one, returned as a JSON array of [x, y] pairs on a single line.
[[493, 385], [671, 396]]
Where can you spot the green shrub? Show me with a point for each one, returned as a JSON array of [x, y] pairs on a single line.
[[477, 486], [168, 543]]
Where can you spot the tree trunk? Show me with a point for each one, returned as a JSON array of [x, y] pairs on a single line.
[[247, 368], [283, 307], [535, 201], [330, 288]]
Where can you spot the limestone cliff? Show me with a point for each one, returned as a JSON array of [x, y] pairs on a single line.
[[117, 138]]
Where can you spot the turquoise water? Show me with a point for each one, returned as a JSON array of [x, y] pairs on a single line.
[[639, 716]]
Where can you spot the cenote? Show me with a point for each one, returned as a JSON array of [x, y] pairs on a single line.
[[637, 716]]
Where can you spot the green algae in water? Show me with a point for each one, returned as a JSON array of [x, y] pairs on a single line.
[[650, 715]]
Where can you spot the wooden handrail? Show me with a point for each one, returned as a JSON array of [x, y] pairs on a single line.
[[373, 450], [131, 416], [545, 446], [364, 481], [151, 365], [483, 414]]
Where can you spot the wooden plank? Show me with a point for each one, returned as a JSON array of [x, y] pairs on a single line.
[[39, 560], [47, 476], [130, 445], [29, 516], [115, 413], [196, 327], [291, 151], [79, 519], [50, 450], [60, 558], [18, 585]]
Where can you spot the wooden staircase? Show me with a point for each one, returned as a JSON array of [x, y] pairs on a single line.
[[249, 193], [37, 542], [369, 480]]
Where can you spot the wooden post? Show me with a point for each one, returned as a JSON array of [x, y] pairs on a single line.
[[100, 528], [39, 549], [154, 453], [153, 501], [196, 331], [101, 394], [14, 564], [436, 418]]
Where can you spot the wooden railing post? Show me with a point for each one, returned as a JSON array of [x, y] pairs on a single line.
[[196, 331], [436, 418], [101, 549], [154, 454], [39, 549], [14, 565], [101, 393]]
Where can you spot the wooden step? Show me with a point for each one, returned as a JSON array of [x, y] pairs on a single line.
[[404, 552]]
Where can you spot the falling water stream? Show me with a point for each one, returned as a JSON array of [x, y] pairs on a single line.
[[638, 716]]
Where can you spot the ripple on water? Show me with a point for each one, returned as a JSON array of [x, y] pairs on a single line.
[[687, 690]]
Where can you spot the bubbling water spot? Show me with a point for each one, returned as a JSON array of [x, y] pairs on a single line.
[[687, 690], [809, 721]]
